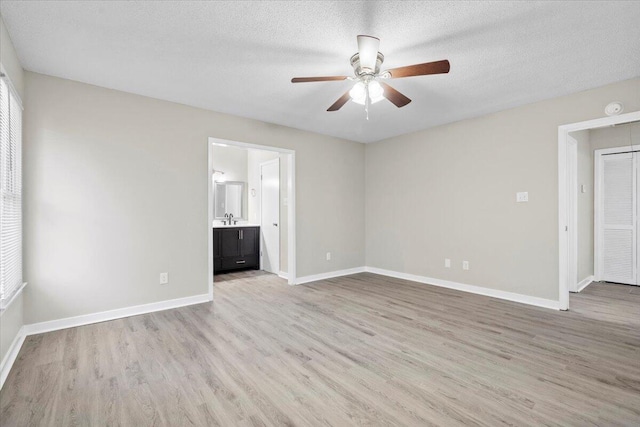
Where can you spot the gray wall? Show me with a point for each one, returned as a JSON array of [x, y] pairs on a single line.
[[116, 192], [11, 319], [449, 192], [617, 136]]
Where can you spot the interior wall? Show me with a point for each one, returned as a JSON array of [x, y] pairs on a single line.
[[615, 136], [584, 205], [115, 193], [450, 192], [12, 318]]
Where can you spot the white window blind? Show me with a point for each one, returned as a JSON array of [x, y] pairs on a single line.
[[10, 194]]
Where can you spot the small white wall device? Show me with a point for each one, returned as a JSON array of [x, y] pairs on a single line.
[[614, 108]]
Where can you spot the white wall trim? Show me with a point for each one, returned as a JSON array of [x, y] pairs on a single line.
[[210, 215], [572, 212], [283, 275], [329, 275], [563, 188], [11, 356], [480, 290], [87, 319], [584, 283]]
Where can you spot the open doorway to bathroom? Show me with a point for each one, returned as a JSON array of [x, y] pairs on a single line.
[[600, 224], [251, 213]]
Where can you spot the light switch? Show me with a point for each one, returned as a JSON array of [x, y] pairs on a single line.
[[522, 196]]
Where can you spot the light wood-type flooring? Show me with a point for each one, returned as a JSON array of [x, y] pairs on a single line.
[[356, 350]]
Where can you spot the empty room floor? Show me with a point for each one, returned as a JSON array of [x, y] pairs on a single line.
[[356, 350]]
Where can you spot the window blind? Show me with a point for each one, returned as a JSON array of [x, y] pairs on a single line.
[[10, 194]]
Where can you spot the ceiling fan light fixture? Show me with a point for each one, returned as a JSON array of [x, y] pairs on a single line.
[[376, 92], [358, 93], [370, 86]]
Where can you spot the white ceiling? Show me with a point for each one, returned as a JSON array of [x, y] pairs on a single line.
[[239, 57]]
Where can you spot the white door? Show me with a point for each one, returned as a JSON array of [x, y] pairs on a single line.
[[270, 215], [618, 230]]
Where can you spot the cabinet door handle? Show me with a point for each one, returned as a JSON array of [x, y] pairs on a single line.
[[242, 234], [240, 262]]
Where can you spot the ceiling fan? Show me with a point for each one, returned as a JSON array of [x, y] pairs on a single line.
[[369, 87]]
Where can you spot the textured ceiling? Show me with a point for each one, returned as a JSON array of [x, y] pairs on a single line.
[[238, 57]]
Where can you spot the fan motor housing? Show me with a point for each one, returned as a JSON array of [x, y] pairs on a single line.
[[355, 63]]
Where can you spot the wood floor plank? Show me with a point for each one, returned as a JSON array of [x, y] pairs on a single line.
[[356, 350]]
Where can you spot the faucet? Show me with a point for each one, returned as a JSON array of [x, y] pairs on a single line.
[[226, 216], [231, 219]]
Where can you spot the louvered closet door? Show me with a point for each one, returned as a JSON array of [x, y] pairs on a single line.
[[619, 205]]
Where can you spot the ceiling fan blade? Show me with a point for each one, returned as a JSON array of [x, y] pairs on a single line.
[[437, 67], [340, 102], [396, 98], [368, 51], [317, 79]]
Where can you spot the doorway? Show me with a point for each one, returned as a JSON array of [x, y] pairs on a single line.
[[246, 182], [576, 255]]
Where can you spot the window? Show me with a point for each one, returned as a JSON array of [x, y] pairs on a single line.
[[10, 193]]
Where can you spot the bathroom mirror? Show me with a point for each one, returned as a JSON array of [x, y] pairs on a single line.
[[229, 198]]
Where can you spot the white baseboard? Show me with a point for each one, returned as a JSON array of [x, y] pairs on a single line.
[[480, 290], [10, 357], [284, 275], [329, 275], [584, 283], [87, 319]]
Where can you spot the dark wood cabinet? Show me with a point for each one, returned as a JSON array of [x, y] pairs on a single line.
[[236, 248]]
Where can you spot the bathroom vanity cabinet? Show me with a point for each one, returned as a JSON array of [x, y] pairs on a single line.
[[236, 248]]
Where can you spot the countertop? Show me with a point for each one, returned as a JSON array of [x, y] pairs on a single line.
[[219, 224]]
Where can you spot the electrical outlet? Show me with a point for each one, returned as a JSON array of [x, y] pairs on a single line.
[[164, 278], [447, 262], [522, 196], [328, 256], [465, 265]]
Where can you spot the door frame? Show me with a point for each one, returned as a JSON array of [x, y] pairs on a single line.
[[565, 220], [291, 204], [276, 160], [572, 212], [598, 158]]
